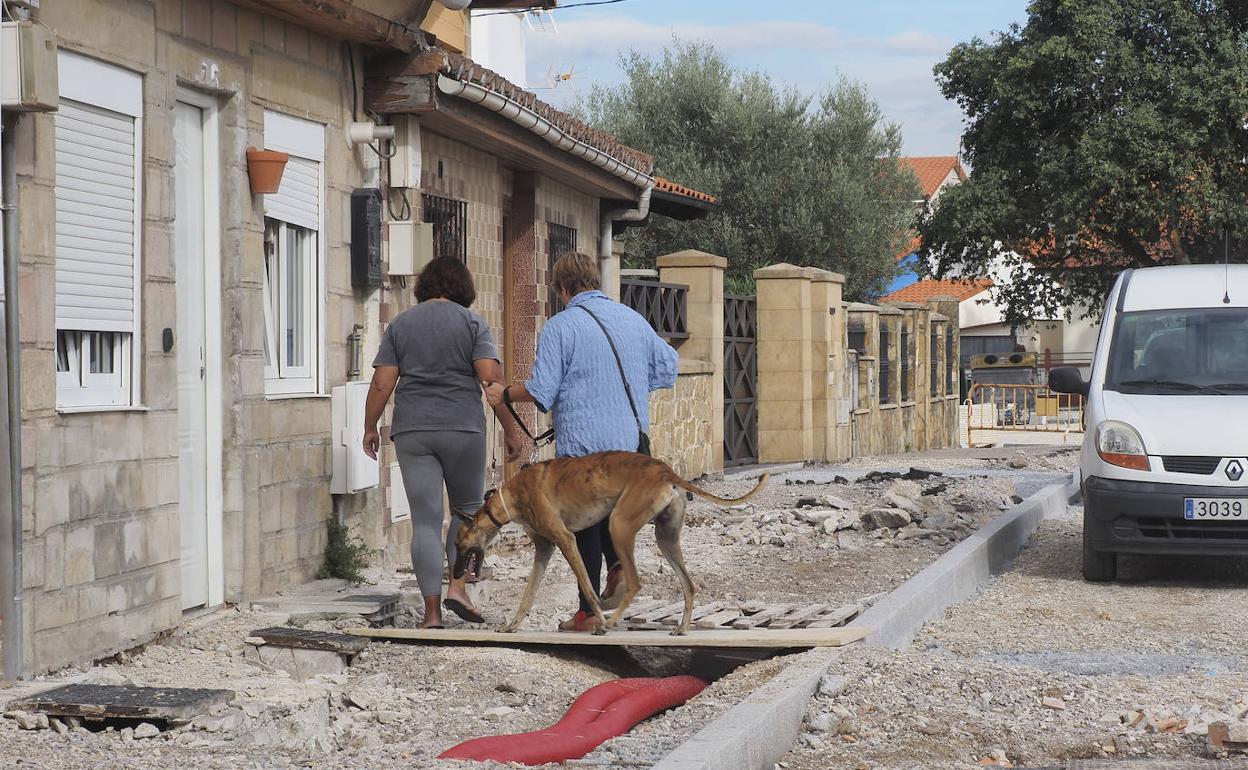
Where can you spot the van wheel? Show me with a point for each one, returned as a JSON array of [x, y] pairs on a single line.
[[1098, 566]]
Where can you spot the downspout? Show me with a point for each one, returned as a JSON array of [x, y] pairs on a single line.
[[11, 437], [607, 267]]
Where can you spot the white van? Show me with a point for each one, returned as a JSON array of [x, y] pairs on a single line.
[[1165, 456]]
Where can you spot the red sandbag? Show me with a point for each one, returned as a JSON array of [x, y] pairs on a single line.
[[605, 711]]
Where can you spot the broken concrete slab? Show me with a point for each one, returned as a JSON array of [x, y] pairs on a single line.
[[299, 638], [95, 701], [1228, 736], [301, 664]]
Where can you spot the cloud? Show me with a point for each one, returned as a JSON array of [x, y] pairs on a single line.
[[606, 36], [896, 69], [916, 43]]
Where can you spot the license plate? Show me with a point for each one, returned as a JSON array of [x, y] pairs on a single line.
[[1213, 508]]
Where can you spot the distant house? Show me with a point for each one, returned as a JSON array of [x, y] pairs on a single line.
[[935, 173], [1056, 340]]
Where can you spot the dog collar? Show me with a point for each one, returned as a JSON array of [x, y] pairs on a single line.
[[490, 516]]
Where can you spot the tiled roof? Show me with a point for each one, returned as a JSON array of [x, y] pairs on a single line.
[[911, 246], [932, 170], [464, 69], [928, 288], [667, 185]]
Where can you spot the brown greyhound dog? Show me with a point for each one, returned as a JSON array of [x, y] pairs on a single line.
[[554, 499]]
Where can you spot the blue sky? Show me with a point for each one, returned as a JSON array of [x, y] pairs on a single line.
[[890, 45]]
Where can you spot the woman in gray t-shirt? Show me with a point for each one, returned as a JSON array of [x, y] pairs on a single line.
[[440, 354]]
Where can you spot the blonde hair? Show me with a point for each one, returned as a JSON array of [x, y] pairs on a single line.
[[575, 272]]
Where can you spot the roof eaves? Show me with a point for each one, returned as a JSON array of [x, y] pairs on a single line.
[[461, 68]]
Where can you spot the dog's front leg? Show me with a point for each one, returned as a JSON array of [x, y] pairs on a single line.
[[567, 544], [541, 557]]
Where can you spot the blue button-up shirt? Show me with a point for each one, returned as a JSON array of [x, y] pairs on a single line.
[[576, 375]]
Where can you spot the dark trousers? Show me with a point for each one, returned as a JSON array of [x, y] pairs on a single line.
[[595, 545]]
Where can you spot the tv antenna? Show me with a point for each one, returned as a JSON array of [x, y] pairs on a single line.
[[560, 78], [539, 19]]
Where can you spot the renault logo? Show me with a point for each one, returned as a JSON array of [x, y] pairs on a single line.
[[1234, 471]]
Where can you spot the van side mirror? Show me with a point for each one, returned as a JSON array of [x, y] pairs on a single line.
[[1066, 379]]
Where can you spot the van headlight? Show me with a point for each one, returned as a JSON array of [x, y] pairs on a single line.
[[1119, 444]]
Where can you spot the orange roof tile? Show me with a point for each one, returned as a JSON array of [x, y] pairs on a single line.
[[911, 246], [667, 185], [928, 288], [932, 170]]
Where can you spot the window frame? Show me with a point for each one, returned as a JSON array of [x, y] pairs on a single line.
[[78, 387], [303, 139], [281, 377], [568, 235], [438, 210], [106, 86]]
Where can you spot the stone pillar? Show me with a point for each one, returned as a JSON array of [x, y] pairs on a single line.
[[522, 308], [942, 426], [610, 271], [825, 299], [704, 275], [784, 363]]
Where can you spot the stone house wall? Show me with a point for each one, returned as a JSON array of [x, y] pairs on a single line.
[[101, 548], [681, 418], [805, 367]]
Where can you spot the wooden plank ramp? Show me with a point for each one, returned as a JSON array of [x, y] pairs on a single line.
[[752, 638]]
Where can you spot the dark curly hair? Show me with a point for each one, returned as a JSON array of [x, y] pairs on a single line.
[[446, 277]]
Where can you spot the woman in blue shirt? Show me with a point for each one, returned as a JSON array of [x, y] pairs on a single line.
[[577, 378]]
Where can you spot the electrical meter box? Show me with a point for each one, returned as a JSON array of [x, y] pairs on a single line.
[[366, 237], [411, 247], [28, 80], [352, 470]]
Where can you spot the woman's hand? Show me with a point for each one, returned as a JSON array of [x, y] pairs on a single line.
[[516, 443], [494, 393], [372, 442]]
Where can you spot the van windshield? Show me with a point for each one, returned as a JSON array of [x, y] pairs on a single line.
[[1185, 351]]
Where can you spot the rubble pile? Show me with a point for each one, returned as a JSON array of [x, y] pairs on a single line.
[[889, 709], [884, 507]]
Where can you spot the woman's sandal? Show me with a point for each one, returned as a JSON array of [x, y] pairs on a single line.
[[458, 607]]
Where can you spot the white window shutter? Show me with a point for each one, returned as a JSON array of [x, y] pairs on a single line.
[[95, 219], [298, 200]]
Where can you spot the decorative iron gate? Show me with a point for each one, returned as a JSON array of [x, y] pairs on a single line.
[[740, 380]]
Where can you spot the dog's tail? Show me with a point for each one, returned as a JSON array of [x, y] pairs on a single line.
[[762, 480]]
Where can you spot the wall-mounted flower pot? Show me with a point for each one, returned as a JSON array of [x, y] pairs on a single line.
[[264, 169]]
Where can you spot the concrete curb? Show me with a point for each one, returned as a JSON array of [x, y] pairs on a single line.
[[758, 731], [895, 619]]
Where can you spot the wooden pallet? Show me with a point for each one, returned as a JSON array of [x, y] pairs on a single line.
[[652, 615]]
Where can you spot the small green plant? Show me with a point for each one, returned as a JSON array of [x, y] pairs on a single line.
[[345, 554]]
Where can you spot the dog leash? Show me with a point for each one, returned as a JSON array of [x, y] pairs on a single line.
[[538, 441]]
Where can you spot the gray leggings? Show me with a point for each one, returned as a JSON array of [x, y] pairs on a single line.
[[428, 459]]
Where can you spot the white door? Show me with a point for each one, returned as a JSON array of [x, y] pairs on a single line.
[[189, 344]]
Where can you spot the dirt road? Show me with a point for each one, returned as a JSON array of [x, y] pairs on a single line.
[[1042, 667]]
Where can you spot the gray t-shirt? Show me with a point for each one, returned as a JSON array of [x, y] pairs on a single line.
[[434, 344]]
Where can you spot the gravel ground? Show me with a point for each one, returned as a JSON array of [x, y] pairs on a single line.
[[401, 705], [1042, 667]]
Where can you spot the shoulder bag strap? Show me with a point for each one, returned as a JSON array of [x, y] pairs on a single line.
[[620, 364]]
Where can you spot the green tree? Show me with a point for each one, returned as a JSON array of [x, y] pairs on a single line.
[[1104, 134], [806, 181]]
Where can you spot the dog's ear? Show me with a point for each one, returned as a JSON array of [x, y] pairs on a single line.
[[490, 493]]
